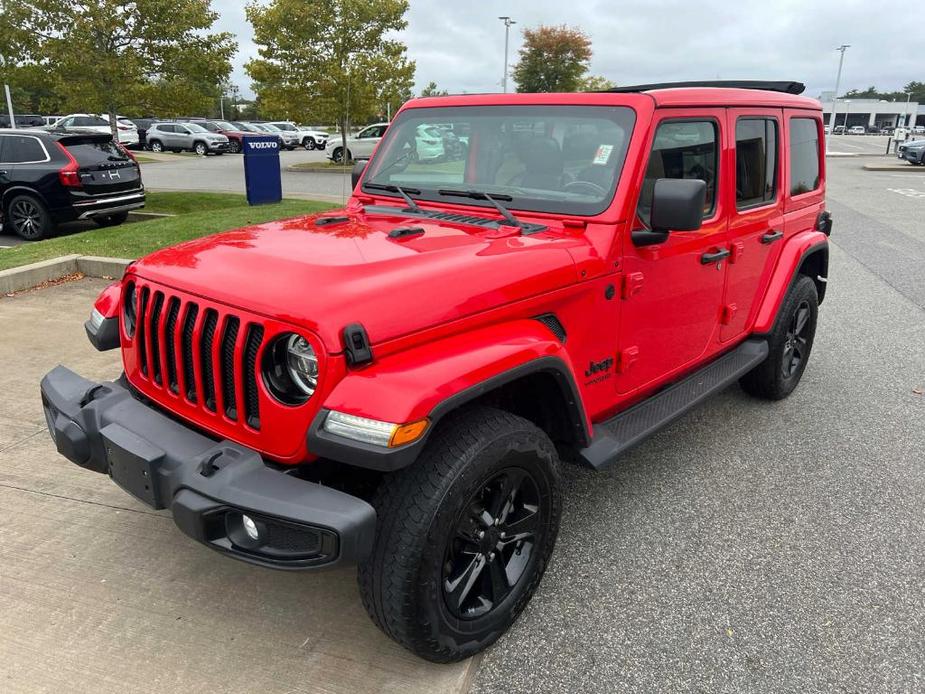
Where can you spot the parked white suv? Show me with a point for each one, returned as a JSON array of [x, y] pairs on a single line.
[[307, 137], [359, 146], [94, 122], [856, 130]]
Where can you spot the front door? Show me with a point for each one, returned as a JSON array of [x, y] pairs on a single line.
[[673, 290], [756, 214]]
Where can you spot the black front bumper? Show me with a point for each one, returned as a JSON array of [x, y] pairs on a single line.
[[210, 486]]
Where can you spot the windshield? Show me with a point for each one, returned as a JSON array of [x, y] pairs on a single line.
[[269, 127], [564, 159], [224, 125], [195, 128], [284, 126]]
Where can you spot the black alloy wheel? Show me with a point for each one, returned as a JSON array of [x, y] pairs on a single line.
[[796, 341], [234, 147], [28, 218], [492, 543]]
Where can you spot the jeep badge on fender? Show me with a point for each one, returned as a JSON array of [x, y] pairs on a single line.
[[433, 334]]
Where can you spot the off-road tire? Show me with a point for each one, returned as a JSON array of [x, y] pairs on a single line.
[[156, 146], [27, 217], [421, 507], [770, 380]]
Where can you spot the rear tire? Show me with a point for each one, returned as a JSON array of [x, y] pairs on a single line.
[[790, 343], [112, 220], [463, 535], [27, 216]]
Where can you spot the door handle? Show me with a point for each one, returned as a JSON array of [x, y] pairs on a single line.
[[714, 256], [772, 236]]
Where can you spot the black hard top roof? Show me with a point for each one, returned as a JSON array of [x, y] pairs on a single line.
[[770, 86]]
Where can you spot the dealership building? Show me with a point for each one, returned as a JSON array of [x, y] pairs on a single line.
[[872, 112]]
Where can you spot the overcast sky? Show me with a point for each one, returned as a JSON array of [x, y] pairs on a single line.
[[460, 45]]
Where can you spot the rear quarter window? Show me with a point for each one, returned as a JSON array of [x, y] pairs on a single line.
[[804, 155], [23, 149]]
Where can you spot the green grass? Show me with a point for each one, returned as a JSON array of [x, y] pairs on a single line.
[[214, 212], [183, 203], [320, 166]]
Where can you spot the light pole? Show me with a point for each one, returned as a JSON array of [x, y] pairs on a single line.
[[841, 60], [507, 30]]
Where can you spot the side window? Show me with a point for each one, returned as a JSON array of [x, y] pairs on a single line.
[[368, 132], [756, 162], [21, 149], [2, 146], [682, 149], [804, 155], [167, 128]]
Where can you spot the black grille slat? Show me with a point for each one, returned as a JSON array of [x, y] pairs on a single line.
[[170, 331], [189, 368], [205, 358], [229, 336], [141, 335], [251, 401], [156, 307]]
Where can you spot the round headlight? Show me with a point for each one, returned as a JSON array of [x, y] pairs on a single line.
[[290, 369], [302, 363], [128, 309]]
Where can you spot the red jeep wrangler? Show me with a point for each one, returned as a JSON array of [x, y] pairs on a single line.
[[394, 384]]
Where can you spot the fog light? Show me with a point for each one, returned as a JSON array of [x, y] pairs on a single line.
[[250, 527]]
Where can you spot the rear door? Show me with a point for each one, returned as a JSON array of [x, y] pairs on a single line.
[[756, 213], [104, 166], [6, 169]]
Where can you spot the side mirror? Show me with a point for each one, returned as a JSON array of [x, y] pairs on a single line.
[[357, 172], [677, 205]]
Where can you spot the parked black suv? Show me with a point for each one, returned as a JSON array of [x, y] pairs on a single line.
[[51, 177]]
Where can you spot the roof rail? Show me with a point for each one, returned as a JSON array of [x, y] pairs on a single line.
[[785, 87]]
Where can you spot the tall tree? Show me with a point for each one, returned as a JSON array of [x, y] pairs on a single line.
[[110, 56], [595, 83], [552, 59], [329, 60], [432, 90]]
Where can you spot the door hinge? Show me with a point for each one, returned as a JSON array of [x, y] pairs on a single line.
[[737, 248], [627, 358], [728, 314], [632, 284]]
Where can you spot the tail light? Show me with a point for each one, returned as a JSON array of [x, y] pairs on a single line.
[[124, 127], [69, 174]]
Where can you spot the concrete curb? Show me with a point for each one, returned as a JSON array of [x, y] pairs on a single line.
[[294, 169], [905, 168], [18, 278]]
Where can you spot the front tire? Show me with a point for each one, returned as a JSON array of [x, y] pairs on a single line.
[[790, 343], [234, 147], [200, 149], [28, 218], [337, 156], [156, 146], [464, 535], [308, 143]]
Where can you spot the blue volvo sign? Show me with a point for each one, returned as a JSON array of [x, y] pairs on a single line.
[[261, 169]]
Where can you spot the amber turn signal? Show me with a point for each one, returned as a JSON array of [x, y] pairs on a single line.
[[407, 433]]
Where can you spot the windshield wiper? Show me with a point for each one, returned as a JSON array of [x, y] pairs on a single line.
[[493, 199], [404, 192]]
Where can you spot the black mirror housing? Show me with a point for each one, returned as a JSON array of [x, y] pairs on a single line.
[[677, 204], [357, 172]]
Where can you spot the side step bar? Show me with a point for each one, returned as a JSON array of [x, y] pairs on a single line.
[[619, 434]]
